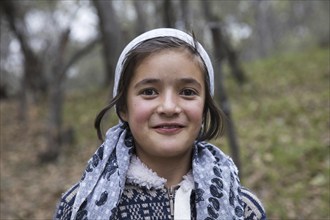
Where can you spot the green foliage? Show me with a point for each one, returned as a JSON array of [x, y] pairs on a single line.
[[282, 119]]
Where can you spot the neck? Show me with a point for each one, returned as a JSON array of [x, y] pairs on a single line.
[[170, 168]]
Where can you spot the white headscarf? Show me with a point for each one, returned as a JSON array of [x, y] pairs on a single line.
[[163, 32]]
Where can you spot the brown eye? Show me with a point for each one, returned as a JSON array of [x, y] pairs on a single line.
[[149, 92], [188, 92]]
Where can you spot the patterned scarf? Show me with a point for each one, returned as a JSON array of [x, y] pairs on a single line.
[[217, 186]]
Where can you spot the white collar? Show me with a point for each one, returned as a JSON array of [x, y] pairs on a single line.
[[138, 173]]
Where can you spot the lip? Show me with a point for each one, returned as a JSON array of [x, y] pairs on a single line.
[[168, 128]]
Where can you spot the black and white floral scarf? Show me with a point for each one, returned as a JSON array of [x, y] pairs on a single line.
[[217, 185]]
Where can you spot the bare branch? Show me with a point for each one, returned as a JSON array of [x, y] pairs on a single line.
[[79, 54]]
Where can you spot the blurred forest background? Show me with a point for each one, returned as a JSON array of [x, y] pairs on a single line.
[[272, 73]]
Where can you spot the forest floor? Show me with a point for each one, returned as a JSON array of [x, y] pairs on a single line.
[[282, 120]]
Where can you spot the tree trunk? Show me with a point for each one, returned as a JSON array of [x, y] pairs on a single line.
[[23, 105], [141, 22], [55, 100], [111, 35], [235, 67], [54, 123], [219, 51], [36, 81], [265, 19], [185, 15], [57, 94], [225, 104], [169, 14], [33, 81]]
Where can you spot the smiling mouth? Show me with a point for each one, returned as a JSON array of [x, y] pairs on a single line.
[[168, 129], [169, 126]]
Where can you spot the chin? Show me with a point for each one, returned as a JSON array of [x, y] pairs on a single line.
[[174, 151]]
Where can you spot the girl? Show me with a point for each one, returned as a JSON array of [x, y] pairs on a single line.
[[155, 164]]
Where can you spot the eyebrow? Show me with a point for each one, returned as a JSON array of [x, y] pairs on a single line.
[[187, 80], [191, 81], [146, 81]]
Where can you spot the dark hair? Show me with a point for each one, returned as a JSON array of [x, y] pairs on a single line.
[[213, 117]]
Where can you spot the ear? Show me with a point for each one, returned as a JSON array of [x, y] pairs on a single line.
[[123, 115]]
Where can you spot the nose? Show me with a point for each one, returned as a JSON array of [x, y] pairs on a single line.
[[169, 105]]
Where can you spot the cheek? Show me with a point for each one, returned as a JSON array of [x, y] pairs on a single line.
[[195, 112], [139, 112]]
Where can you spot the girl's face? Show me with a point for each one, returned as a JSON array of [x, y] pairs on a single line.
[[165, 103]]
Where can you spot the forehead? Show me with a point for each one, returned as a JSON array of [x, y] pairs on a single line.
[[170, 62], [181, 51]]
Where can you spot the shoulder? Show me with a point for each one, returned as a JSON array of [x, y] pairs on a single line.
[[253, 209], [214, 151], [64, 206]]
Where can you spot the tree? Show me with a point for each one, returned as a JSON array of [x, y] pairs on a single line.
[[169, 17], [59, 69], [141, 21], [111, 37], [33, 80], [265, 23], [221, 50], [45, 71], [185, 15]]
